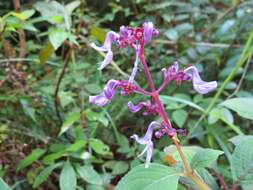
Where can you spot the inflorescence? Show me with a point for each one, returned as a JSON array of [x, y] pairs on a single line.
[[137, 38]]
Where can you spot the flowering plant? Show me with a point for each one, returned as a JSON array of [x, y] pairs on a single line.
[[137, 38]]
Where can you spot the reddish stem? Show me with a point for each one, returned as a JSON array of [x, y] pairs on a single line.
[[155, 93]]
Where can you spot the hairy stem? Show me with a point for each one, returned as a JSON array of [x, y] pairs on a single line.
[[155, 95]]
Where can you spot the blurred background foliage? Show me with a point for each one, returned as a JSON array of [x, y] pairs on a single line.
[[52, 138]]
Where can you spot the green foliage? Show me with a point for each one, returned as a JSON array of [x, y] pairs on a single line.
[[34, 156], [241, 163], [240, 105], [68, 177], [3, 185], [204, 158], [89, 175], [156, 177]]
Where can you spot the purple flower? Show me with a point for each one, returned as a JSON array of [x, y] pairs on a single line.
[[149, 31], [107, 94], [150, 108], [110, 38], [135, 69], [147, 140], [199, 85]]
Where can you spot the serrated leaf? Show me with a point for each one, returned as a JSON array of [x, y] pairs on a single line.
[[204, 158], [70, 120], [243, 106], [242, 162], [89, 175], [35, 155], [68, 179], [157, 176], [57, 37], [179, 117], [43, 175]]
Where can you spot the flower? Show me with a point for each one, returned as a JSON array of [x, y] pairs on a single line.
[[110, 38], [135, 69], [150, 108], [149, 31], [106, 95], [147, 140], [199, 85]]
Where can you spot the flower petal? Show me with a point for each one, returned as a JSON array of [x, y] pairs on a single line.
[[150, 148], [104, 97], [135, 108], [110, 37], [99, 100], [107, 60], [199, 85], [110, 88], [135, 69], [149, 31]]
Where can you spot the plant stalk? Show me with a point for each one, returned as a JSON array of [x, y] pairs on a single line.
[[155, 95]]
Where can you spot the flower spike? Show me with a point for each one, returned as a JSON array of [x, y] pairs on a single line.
[[199, 85]]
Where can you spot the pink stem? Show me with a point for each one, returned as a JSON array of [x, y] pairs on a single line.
[[155, 94]]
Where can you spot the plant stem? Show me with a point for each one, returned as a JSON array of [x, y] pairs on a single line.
[[155, 94]]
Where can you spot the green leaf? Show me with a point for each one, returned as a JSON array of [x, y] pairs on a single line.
[[99, 147], [69, 122], [48, 159], [76, 146], [3, 185], [204, 158], [179, 116], [43, 175], [35, 155], [242, 162], [89, 175], [68, 179], [57, 37], [172, 34], [29, 111], [46, 52], [95, 187], [166, 100], [157, 176], [72, 6], [236, 140], [243, 106], [24, 15], [120, 167]]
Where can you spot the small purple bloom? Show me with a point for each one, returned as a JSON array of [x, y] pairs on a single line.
[[171, 72], [149, 31], [150, 108], [110, 38], [199, 85], [103, 98], [147, 140]]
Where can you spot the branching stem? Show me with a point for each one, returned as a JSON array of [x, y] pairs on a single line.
[[155, 95]]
